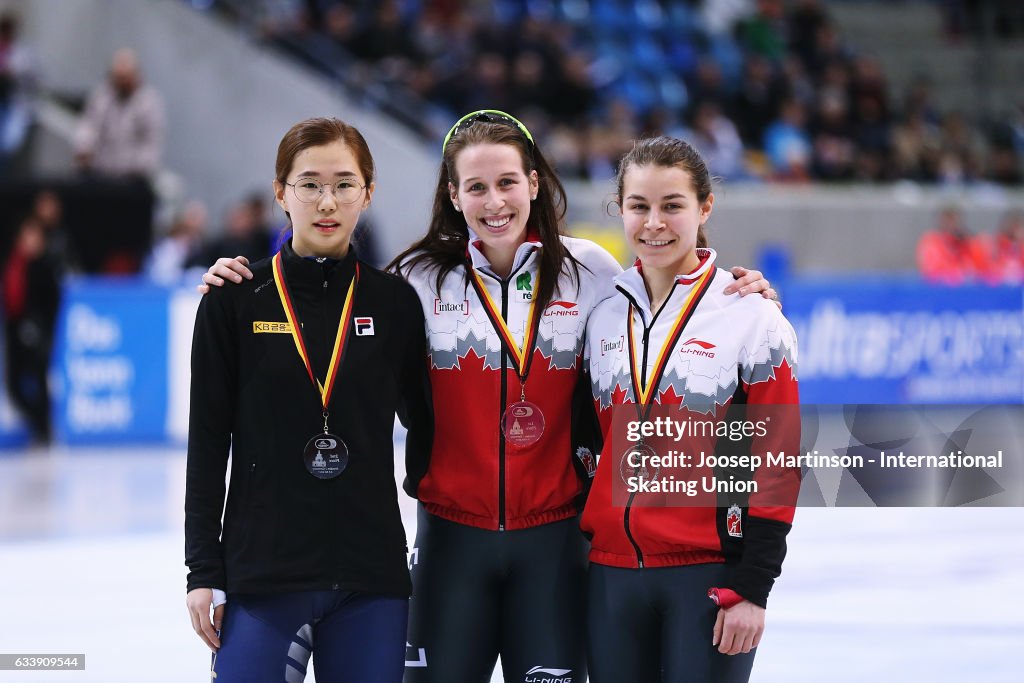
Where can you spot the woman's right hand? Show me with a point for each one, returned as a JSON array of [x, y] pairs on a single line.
[[198, 601], [233, 269]]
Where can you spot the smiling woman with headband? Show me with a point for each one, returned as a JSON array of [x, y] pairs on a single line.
[[499, 563]]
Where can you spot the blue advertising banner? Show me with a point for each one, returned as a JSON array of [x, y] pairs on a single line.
[[111, 362], [902, 341], [122, 372]]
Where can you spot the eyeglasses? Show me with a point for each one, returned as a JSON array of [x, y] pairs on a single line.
[[309, 190], [487, 116]]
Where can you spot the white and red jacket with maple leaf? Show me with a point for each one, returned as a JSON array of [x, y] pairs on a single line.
[[733, 350], [475, 477]]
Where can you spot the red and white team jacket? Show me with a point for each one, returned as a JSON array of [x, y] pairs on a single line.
[[733, 350], [474, 476]]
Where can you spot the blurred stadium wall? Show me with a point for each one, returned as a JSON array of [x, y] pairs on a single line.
[[871, 331]]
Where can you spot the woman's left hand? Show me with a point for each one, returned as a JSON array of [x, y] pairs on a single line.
[[750, 282], [739, 628]]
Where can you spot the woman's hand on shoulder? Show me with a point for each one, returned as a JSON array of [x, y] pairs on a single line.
[[746, 282], [233, 269], [738, 629]]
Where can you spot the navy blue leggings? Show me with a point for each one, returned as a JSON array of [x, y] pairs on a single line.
[[655, 626], [352, 638]]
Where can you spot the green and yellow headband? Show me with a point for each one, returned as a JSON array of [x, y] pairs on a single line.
[[487, 116]]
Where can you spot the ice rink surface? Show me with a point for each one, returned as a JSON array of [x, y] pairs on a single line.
[[91, 550]]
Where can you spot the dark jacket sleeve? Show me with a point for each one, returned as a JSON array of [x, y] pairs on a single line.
[[415, 408], [764, 549], [211, 416], [586, 440]]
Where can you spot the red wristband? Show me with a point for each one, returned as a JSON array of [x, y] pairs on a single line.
[[724, 597]]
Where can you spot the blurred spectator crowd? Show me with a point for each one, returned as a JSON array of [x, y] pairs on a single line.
[[766, 89], [950, 254]]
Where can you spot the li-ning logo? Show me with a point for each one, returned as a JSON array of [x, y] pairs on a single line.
[[540, 674], [419, 656], [609, 346], [703, 350], [445, 307], [561, 308]]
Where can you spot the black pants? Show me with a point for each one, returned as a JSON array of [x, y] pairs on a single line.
[[28, 361], [655, 626], [481, 594]]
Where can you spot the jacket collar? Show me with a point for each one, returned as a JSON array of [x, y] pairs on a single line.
[[474, 251], [631, 281], [304, 268]]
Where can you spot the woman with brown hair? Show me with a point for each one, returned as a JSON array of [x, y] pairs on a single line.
[[299, 373]]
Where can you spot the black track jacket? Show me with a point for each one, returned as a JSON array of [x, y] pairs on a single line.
[[283, 529]]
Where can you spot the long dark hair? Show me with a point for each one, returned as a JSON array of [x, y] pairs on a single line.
[[444, 246]]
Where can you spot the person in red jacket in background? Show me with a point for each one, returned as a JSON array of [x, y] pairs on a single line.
[[31, 298], [949, 254], [1004, 251]]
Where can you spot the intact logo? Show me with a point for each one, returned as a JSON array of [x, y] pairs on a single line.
[[446, 307], [540, 674], [588, 460], [734, 521], [561, 308], [696, 347], [609, 346], [364, 327]]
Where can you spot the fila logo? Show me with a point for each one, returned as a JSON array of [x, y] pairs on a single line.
[[364, 327], [265, 327], [609, 346], [561, 308], [540, 674], [445, 307], [696, 347]]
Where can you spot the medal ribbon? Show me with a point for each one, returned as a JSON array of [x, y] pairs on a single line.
[[646, 394], [521, 357], [340, 339]]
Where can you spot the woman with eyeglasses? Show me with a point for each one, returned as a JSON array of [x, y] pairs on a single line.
[[499, 562], [298, 373]]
